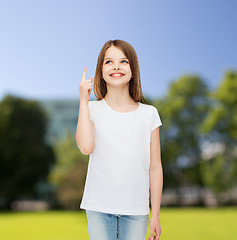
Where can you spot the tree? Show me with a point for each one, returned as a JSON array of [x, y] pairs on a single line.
[[182, 112], [221, 126], [24, 156], [69, 172]]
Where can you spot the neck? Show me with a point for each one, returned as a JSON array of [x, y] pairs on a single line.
[[118, 96]]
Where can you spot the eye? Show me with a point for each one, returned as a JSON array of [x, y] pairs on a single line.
[[110, 61]]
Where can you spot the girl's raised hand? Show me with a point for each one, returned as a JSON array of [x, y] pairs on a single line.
[[85, 87]]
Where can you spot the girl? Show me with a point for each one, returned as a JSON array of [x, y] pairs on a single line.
[[121, 134]]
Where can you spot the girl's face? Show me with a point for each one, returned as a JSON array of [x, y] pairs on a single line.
[[116, 62]]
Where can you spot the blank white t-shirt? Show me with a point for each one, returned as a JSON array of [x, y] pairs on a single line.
[[117, 180]]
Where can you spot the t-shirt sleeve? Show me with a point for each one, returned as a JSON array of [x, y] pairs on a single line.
[[155, 119], [91, 110]]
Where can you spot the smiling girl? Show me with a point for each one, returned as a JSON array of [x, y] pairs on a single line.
[[121, 134]]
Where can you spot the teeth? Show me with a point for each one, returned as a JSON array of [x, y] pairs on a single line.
[[116, 75]]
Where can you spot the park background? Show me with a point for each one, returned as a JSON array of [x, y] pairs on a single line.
[[187, 55]]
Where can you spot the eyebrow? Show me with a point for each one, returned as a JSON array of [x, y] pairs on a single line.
[[112, 58]]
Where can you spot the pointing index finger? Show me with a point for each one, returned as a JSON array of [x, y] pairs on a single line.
[[84, 74]]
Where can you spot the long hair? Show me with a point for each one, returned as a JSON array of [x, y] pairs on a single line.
[[100, 88]]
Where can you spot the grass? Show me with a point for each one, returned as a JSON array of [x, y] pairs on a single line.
[[176, 223]]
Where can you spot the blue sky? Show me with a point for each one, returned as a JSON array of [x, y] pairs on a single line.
[[44, 45]]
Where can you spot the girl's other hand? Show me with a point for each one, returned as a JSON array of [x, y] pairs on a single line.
[[85, 87], [155, 228]]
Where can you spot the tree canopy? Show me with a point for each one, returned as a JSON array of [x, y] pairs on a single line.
[[25, 158]]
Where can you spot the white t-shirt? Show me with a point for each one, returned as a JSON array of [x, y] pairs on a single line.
[[117, 180]]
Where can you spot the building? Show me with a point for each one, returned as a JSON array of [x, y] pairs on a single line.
[[62, 117]]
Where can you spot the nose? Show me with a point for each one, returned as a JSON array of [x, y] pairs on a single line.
[[116, 67]]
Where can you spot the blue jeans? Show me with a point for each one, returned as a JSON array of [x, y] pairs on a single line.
[[106, 226]]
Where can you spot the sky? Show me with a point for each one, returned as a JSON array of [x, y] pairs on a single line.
[[45, 45]]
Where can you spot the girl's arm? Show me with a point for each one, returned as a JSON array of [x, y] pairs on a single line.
[[85, 136], [156, 183], [155, 173]]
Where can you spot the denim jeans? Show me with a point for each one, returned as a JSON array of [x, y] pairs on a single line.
[[105, 226]]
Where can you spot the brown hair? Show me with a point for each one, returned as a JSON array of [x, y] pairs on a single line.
[[135, 90]]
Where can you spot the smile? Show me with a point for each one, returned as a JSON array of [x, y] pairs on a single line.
[[116, 75]]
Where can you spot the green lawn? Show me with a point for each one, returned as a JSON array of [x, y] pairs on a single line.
[[176, 224]]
